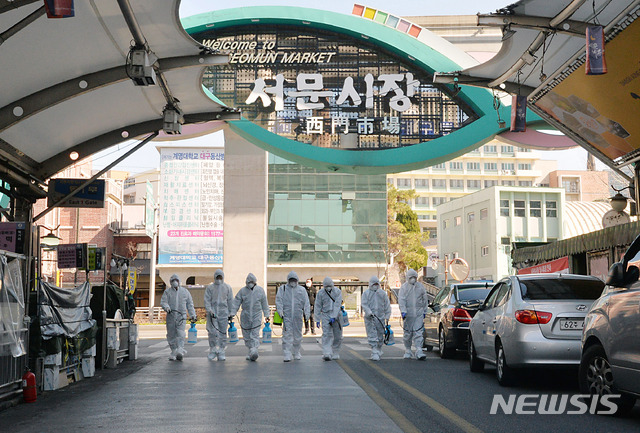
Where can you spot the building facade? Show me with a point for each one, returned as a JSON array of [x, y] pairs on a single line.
[[482, 227]]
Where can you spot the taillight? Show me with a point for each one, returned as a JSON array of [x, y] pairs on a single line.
[[531, 317], [461, 315]]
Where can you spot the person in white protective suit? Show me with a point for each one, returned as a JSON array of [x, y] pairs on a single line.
[[253, 300], [327, 311], [218, 301], [292, 303], [377, 311], [176, 301], [412, 301]]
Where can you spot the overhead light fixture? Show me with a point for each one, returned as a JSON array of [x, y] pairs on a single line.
[[50, 240], [172, 120], [140, 66]]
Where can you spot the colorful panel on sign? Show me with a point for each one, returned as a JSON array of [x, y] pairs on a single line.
[[381, 17], [415, 31], [393, 21], [357, 10], [369, 13], [403, 26]]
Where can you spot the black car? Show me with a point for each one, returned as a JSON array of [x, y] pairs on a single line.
[[446, 324]]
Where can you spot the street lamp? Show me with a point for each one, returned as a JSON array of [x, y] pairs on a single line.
[[50, 240]]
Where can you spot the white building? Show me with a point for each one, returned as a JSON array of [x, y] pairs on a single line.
[[481, 227]]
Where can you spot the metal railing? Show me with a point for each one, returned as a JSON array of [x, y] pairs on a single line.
[[11, 369]]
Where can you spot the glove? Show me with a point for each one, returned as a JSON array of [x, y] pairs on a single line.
[[404, 315], [371, 315], [331, 321], [317, 324], [168, 310]]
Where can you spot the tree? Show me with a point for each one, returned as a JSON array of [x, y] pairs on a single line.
[[404, 238]]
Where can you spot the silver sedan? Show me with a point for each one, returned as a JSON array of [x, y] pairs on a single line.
[[531, 320]]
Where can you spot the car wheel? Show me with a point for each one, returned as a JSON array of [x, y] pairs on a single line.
[[475, 364], [596, 378], [504, 373], [428, 348], [445, 351]]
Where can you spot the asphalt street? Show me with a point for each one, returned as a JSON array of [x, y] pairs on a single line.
[[352, 394]]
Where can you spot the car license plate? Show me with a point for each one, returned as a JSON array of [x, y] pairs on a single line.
[[571, 325]]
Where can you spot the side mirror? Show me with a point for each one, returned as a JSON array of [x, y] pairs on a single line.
[[481, 307], [618, 277]]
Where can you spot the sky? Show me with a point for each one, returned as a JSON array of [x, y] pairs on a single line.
[[147, 157]]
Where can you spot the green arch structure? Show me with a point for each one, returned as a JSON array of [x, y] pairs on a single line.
[[402, 45]]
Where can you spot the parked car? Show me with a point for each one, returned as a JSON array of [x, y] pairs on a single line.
[[446, 324], [531, 321], [610, 361]]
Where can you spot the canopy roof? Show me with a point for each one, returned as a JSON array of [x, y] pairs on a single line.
[[66, 87], [544, 45]]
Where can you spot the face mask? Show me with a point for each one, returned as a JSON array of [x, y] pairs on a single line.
[[175, 284], [375, 287], [412, 280], [251, 285], [293, 283], [218, 280], [309, 284]]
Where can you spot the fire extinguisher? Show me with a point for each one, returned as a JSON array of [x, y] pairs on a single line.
[[29, 386]]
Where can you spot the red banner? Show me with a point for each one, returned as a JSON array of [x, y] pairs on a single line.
[[558, 266]]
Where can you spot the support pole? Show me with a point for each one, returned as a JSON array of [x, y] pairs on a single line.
[[152, 270]]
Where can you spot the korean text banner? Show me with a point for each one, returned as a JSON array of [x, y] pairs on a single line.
[[191, 206]]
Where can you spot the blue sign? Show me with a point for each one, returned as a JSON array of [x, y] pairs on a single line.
[[91, 195]]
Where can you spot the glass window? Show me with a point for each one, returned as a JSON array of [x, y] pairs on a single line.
[[445, 224], [506, 149], [404, 183], [525, 183], [439, 167], [490, 149], [439, 183], [484, 213], [471, 217], [422, 201], [490, 183], [507, 166], [473, 166], [524, 166], [474, 184], [518, 208], [505, 241], [507, 183], [472, 294], [457, 166], [456, 183], [492, 295], [561, 288], [484, 251], [504, 208], [535, 208], [438, 201], [421, 183], [503, 294], [457, 221], [491, 166], [552, 212]]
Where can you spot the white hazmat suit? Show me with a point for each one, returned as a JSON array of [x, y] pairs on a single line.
[[176, 301], [377, 311], [327, 311], [218, 301], [292, 303], [412, 301], [253, 300]]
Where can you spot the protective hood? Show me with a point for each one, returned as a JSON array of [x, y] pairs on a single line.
[[412, 273], [374, 280], [293, 276], [174, 277], [218, 273], [251, 279], [327, 282]]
